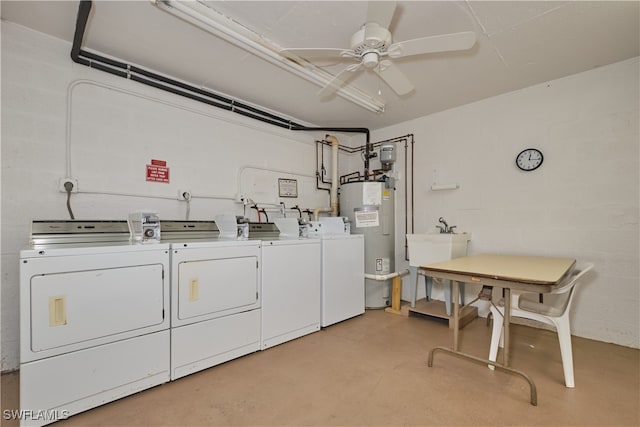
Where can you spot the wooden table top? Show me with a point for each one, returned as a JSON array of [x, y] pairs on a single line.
[[514, 268]]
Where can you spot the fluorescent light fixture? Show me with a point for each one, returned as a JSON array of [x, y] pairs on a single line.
[[212, 21]]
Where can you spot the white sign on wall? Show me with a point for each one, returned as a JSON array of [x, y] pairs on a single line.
[[287, 187]]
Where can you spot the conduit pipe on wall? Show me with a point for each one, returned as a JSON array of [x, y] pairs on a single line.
[[149, 78], [244, 168], [177, 87]]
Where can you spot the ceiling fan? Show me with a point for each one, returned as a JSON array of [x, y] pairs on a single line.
[[373, 49]]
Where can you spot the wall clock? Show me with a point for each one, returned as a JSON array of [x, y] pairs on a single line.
[[529, 159]]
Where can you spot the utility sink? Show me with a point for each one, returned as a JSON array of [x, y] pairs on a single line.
[[427, 248]]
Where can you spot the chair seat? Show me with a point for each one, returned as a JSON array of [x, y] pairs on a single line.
[[528, 304], [554, 312]]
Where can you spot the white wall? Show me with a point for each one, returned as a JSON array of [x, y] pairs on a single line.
[[112, 128], [582, 202]]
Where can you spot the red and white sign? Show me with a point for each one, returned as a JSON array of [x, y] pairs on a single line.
[[158, 171]]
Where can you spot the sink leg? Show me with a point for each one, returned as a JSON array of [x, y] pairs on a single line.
[[413, 281]]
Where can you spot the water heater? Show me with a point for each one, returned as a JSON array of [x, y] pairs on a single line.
[[369, 205]]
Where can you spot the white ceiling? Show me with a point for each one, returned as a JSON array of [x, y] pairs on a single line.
[[520, 43]]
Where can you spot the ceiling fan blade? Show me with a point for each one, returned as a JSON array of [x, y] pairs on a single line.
[[381, 12], [330, 53], [394, 78], [433, 44], [339, 80]]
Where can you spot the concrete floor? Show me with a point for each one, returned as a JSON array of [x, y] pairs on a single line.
[[372, 370]]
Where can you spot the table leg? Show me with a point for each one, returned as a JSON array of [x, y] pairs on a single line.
[[532, 387], [456, 313], [506, 319], [413, 280], [505, 364]]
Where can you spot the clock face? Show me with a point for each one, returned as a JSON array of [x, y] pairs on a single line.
[[529, 159]]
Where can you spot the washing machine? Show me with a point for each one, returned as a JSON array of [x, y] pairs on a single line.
[[94, 317], [342, 287], [215, 296], [290, 282]]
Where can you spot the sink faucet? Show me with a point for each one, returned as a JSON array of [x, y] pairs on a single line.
[[444, 228]]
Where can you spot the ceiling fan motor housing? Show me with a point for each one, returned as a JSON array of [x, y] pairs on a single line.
[[369, 42]]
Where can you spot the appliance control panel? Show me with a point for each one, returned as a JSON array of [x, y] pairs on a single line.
[[144, 227]]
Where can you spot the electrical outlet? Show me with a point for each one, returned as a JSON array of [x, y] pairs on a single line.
[[65, 180], [240, 198], [184, 195]]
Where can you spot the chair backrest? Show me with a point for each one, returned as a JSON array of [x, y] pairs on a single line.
[[564, 304]]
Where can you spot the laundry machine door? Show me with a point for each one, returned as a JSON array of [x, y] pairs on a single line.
[[215, 287], [74, 307]]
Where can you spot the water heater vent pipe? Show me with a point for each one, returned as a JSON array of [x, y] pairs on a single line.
[[316, 212], [334, 173]]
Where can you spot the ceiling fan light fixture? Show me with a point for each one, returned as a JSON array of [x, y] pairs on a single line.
[[219, 25], [370, 59]]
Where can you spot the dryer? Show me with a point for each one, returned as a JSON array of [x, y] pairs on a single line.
[[94, 317], [215, 296]]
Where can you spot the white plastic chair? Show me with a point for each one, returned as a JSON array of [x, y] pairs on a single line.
[[554, 313]]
